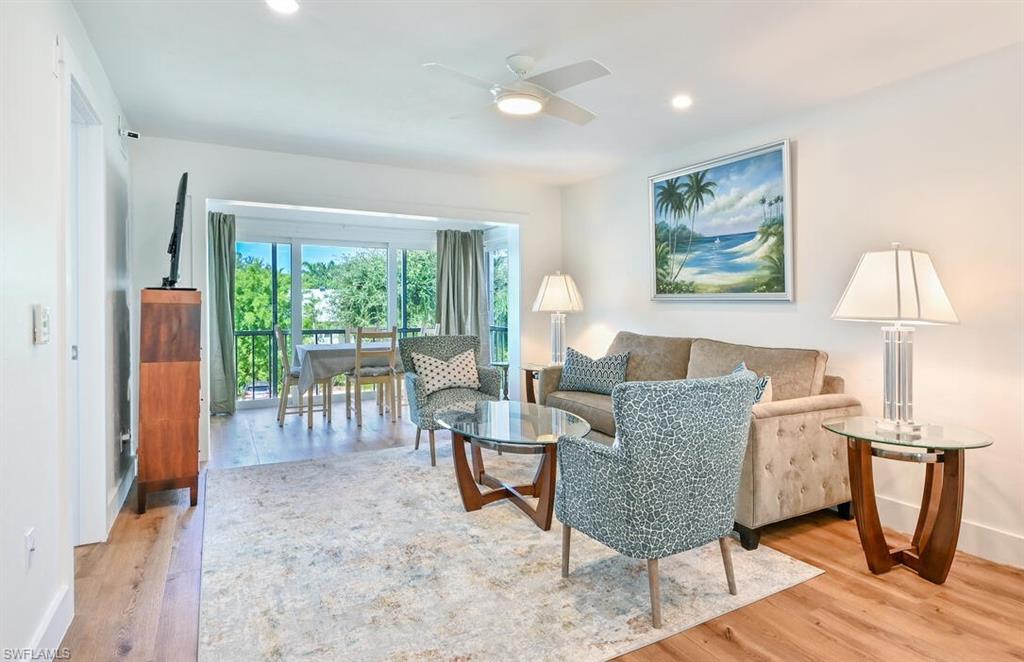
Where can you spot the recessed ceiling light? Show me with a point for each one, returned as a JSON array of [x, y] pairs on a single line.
[[682, 101], [284, 6], [520, 104]]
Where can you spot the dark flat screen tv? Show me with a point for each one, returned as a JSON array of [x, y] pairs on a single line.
[[174, 246]]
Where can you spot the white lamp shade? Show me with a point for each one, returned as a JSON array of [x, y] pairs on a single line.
[[897, 285], [558, 294]]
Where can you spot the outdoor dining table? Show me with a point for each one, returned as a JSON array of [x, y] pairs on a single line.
[[319, 362]]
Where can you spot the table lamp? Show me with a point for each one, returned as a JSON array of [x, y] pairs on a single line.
[[896, 287], [558, 295]]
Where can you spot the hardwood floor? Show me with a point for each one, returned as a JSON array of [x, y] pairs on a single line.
[[137, 596]]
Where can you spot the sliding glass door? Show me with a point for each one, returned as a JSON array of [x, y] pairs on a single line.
[[262, 299], [339, 288], [343, 287], [416, 289], [497, 301]]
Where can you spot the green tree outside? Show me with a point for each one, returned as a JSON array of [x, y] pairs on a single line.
[[337, 294], [499, 304]]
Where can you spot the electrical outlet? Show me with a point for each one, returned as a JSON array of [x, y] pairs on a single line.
[[30, 545]]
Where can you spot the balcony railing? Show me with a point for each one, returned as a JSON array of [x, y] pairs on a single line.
[[257, 359]]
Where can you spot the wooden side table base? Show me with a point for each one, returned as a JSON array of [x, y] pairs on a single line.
[[542, 487], [933, 546]]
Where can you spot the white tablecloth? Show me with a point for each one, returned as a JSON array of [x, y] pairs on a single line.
[[318, 362]]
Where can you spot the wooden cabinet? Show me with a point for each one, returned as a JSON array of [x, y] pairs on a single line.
[[169, 392]]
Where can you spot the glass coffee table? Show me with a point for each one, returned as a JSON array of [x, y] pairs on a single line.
[[509, 427]]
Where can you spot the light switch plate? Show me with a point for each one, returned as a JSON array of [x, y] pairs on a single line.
[[40, 324]]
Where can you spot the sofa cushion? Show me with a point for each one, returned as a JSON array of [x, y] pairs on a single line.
[[653, 358], [796, 373], [594, 408], [582, 373]]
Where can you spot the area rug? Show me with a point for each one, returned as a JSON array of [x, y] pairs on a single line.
[[370, 556]]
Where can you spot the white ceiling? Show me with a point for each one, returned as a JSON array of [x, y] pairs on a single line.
[[343, 79]]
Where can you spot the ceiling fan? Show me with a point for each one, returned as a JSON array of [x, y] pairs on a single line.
[[538, 93]]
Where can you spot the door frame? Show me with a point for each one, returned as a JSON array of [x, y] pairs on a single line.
[[83, 390]]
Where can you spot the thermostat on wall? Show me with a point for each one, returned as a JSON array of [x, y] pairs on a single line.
[[40, 324]]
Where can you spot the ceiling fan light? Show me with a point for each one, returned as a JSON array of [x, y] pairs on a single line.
[[283, 6], [520, 104]]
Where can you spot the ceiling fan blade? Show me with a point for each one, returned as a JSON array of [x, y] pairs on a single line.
[[563, 78], [567, 110], [465, 78]]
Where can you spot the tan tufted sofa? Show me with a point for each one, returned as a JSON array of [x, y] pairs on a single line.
[[792, 466]]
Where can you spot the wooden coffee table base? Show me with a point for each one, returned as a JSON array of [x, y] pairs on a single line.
[[932, 549], [542, 487]]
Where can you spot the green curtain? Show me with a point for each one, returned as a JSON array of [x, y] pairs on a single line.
[[462, 287], [223, 378]]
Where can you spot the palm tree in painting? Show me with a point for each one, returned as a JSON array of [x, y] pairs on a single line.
[[775, 276], [764, 213], [697, 190], [671, 202]]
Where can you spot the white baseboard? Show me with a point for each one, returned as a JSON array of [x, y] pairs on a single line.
[[117, 495], [55, 622], [984, 541]]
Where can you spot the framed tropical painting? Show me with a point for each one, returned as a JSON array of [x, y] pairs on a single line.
[[722, 229]]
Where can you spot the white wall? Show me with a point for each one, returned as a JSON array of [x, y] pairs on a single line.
[[934, 162], [229, 173], [36, 598]]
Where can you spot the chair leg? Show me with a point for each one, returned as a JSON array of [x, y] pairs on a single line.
[[329, 395], [652, 579], [566, 533], [380, 399], [390, 388], [359, 403], [283, 402], [723, 544], [845, 510], [433, 455], [398, 394], [323, 393], [417, 446], [309, 403], [348, 398]]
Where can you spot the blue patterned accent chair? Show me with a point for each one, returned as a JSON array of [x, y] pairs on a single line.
[[423, 407], [668, 484]]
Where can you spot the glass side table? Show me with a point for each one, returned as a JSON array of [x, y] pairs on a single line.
[[933, 546], [531, 372]]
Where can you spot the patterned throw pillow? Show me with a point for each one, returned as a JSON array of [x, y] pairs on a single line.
[[438, 374], [763, 392], [582, 373]]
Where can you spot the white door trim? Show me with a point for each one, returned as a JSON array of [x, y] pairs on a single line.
[[84, 385]]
